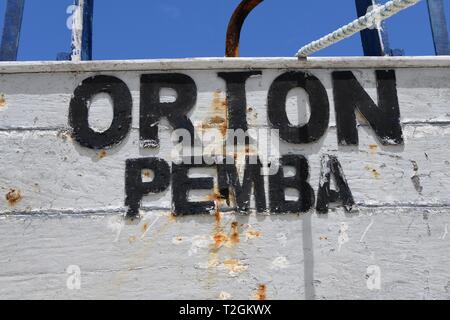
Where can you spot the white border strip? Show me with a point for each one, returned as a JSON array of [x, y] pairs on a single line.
[[226, 63]]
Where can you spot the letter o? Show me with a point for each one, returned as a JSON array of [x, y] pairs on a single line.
[[79, 112]]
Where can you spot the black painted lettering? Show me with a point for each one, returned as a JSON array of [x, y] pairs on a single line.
[[182, 184], [229, 184], [152, 109], [136, 189], [331, 168], [79, 112], [278, 184], [237, 98], [383, 118], [320, 108]]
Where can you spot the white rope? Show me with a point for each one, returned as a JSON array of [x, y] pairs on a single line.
[[371, 19]]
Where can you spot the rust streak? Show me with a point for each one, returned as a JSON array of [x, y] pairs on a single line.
[[218, 119], [220, 239], [2, 100], [234, 237], [261, 292]]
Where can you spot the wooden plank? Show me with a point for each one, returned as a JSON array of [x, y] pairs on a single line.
[[422, 99], [11, 30], [62, 204], [56, 175], [295, 257]]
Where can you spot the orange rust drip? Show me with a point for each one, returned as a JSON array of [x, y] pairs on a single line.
[[234, 237], [261, 293], [219, 119], [144, 228], [235, 26], [2, 101]]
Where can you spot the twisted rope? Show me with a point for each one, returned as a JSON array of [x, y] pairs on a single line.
[[371, 19]]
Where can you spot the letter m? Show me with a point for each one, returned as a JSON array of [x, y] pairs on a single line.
[[383, 118]]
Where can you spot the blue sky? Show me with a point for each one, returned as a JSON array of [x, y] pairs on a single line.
[[141, 29]]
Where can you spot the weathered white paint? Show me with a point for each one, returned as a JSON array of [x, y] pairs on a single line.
[[72, 198]]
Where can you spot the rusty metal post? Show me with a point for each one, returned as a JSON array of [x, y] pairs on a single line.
[[235, 26]]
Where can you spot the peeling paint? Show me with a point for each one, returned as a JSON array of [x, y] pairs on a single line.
[[199, 242], [279, 263], [65, 135], [416, 178], [116, 225], [445, 232], [235, 267], [343, 236], [225, 296]]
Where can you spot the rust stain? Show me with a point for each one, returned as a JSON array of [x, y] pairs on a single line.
[[102, 154], [218, 119], [2, 100], [220, 239], [234, 237], [216, 122], [219, 104], [373, 147], [65, 135], [252, 234], [323, 238], [144, 228], [132, 239], [178, 240], [261, 292], [376, 175], [147, 173], [218, 217], [172, 218], [14, 196], [217, 198]]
